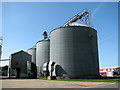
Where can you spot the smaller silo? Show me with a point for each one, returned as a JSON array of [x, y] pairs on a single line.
[[42, 54], [32, 52]]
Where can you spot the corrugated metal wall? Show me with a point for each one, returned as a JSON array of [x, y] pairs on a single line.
[[75, 51], [32, 51], [18, 61], [42, 54]]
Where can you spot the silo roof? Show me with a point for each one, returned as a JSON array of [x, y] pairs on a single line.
[[43, 40], [76, 25]]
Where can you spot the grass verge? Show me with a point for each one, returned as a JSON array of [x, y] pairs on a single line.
[[42, 78], [87, 80], [92, 80]]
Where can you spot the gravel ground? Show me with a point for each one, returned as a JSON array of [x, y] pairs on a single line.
[[36, 83]]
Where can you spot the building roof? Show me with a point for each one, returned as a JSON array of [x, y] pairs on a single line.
[[19, 52]]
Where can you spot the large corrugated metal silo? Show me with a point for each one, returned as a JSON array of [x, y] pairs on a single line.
[[32, 51], [75, 50], [42, 54]]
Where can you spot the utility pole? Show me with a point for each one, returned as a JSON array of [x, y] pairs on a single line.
[[1, 40]]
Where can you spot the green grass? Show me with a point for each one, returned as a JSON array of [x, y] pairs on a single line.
[[43, 78], [87, 80], [92, 80]]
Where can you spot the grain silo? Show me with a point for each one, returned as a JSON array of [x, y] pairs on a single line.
[[32, 51], [74, 48], [42, 54]]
